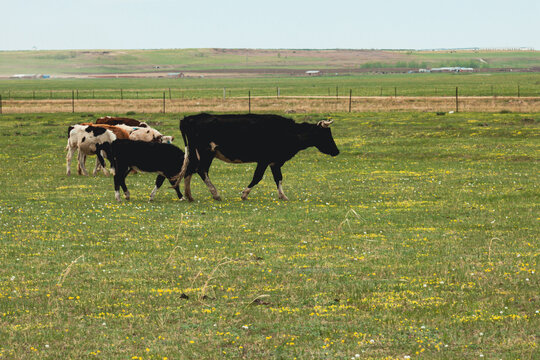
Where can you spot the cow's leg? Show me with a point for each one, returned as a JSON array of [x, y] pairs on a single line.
[[117, 181], [204, 167], [81, 159], [159, 181], [123, 184], [99, 167], [210, 186], [176, 188], [187, 187], [69, 155], [120, 181], [192, 165], [278, 177], [257, 177], [79, 170]]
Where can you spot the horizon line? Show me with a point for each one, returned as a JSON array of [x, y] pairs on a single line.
[[504, 48]]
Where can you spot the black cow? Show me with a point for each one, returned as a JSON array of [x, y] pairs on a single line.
[[127, 155], [268, 140]]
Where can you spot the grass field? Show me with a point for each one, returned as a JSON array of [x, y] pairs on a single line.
[[61, 62], [419, 240], [477, 84]]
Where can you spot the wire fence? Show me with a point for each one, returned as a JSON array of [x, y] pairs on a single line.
[[282, 104]]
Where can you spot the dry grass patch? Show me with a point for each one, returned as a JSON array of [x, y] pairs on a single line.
[[291, 104]]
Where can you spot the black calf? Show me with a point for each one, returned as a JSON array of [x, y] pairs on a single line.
[[127, 155]]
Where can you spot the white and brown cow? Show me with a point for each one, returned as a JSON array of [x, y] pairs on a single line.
[[84, 138]]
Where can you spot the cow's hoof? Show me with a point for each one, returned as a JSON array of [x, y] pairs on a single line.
[[245, 193]]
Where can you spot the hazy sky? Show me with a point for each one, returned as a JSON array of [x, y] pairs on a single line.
[[380, 24]]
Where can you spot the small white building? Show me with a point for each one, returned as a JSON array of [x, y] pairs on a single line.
[[24, 76], [313, 73], [175, 75], [452, 69]]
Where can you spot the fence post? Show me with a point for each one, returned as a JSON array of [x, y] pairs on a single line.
[[395, 92], [224, 93], [121, 94], [277, 92], [518, 90], [34, 94], [164, 102], [72, 101], [249, 101], [0, 104], [457, 101], [350, 99], [336, 92]]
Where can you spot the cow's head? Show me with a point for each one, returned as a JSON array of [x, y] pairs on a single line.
[[167, 139], [104, 149], [323, 140]]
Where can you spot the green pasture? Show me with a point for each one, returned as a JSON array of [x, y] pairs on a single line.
[[477, 84], [420, 240], [155, 60], [122, 61], [478, 59]]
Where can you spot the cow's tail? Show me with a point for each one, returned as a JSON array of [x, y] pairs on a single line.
[[177, 178], [69, 131]]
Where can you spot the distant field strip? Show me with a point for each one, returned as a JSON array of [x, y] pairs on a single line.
[[432, 85], [175, 60]]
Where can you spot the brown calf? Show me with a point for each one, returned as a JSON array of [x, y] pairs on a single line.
[[110, 120]]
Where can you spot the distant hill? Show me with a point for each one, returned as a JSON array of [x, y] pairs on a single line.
[[251, 61]]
